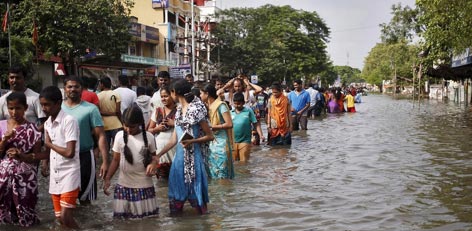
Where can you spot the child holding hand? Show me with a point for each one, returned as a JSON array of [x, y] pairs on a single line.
[[134, 195]]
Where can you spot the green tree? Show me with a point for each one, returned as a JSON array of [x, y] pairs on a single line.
[[68, 28], [328, 76], [272, 41], [348, 74], [21, 53], [403, 25], [395, 55], [447, 28], [385, 59], [21, 48]]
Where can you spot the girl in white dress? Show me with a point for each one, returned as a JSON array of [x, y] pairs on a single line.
[[134, 195]]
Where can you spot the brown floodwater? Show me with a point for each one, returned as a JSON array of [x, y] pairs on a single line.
[[393, 165]]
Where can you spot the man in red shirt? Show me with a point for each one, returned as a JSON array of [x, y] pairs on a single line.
[[87, 95]]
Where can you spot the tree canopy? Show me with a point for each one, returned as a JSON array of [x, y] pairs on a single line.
[[384, 59], [273, 42], [395, 54], [69, 28], [447, 28], [402, 27], [348, 74], [442, 28]]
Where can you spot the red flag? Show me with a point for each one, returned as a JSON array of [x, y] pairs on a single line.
[[35, 33], [5, 21]]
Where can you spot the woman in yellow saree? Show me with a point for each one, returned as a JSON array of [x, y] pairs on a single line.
[[220, 161]]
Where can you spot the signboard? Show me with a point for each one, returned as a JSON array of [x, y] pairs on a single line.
[[180, 71], [254, 79], [135, 30], [172, 32], [175, 58], [138, 59], [463, 59], [152, 34], [143, 33], [146, 60], [160, 4]]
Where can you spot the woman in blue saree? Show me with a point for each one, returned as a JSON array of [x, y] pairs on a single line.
[[188, 178]]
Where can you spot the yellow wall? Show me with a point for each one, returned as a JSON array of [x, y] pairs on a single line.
[[155, 17], [146, 14]]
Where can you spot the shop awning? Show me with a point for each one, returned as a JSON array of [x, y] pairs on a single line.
[[448, 73]]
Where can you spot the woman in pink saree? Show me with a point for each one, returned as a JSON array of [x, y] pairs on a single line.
[[18, 166]]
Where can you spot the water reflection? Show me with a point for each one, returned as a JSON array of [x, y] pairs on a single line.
[[393, 165], [451, 164]]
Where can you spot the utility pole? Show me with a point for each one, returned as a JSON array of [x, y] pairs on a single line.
[[413, 81], [420, 73], [392, 63], [9, 35], [186, 61], [197, 54], [208, 34], [166, 40], [347, 58], [395, 79], [192, 10]]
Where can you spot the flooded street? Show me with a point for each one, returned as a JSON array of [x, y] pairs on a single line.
[[393, 165]]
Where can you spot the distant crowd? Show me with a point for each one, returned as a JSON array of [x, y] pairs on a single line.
[[183, 133]]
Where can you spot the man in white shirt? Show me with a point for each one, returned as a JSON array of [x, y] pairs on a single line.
[[128, 96], [16, 79], [313, 92]]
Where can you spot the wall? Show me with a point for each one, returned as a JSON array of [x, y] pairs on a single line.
[[44, 71], [155, 17], [461, 91]]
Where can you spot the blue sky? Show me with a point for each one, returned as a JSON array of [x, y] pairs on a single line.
[[354, 24]]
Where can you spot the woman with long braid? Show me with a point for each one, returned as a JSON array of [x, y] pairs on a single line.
[[135, 195], [188, 179]]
